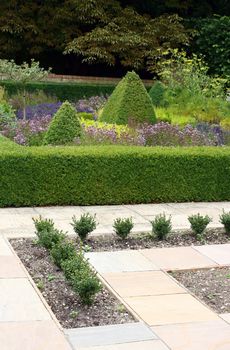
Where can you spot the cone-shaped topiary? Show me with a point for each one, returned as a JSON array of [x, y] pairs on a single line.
[[156, 93], [129, 100], [64, 127]]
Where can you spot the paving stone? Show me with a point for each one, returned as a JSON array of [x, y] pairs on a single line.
[[4, 248], [130, 284], [10, 267], [145, 345], [20, 302], [35, 335], [106, 335], [167, 309], [225, 317], [211, 335], [220, 253], [149, 209], [119, 261], [177, 258]]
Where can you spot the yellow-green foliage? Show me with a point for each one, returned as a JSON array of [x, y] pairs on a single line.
[[225, 123], [119, 128], [64, 127], [167, 115], [2, 94], [129, 101]]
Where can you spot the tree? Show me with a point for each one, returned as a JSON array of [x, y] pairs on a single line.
[[132, 39], [22, 74]]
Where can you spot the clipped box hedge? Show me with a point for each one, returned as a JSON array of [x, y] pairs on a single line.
[[63, 91], [87, 175]]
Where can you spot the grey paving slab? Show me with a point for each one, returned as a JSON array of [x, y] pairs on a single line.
[[144, 345], [20, 302], [108, 335], [120, 261], [4, 248], [220, 253]]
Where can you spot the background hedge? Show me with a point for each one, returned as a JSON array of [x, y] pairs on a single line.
[[112, 175], [63, 91]]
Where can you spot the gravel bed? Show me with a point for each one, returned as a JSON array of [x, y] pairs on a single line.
[[212, 286], [64, 303]]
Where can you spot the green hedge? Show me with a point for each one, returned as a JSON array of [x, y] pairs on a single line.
[[7, 145], [63, 91], [112, 175]]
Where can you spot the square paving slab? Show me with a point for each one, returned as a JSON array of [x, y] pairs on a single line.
[[179, 258], [167, 309], [144, 345], [4, 248], [225, 317], [220, 253], [10, 267], [20, 302], [36, 335], [120, 261], [107, 335], [212, 335], [131, 284]]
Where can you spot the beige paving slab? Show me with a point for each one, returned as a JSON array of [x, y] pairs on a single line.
[[119, 261], [167, 309], [211, 335], [220, 253], [20, 302], [4, 248], [36, 335], [150, 209], [177, 258], [10, 267], [145, 345], [131, 284], [225, 317]]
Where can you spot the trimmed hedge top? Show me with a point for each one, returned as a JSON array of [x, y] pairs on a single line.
[[97, 175], [129, 100]]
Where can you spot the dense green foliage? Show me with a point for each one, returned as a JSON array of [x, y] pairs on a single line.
[[198, 224], [64, 127], [47, 234], [156, 93], [212, 41], [129, 101], [63, 91], [112, 175], [84, 225], [225, 220], [62, 251], [123, 226]]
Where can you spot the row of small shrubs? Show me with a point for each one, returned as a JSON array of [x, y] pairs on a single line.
[[75, 267], [161, 225], [97, 175]]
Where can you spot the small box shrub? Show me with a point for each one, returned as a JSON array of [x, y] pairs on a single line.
[[161, 226], [64, 127], [84, 225], [123, 227], [225, 220], [70, 266], [47, 235], [63, 251], [198, 224]]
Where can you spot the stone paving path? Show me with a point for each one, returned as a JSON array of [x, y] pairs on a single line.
[[17, 221], [167, 315]]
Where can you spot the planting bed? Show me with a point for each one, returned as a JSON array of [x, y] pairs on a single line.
[[210, 285], [64, 303], [143, 241]]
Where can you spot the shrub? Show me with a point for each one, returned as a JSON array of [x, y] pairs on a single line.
[[7, 115], [71, 266], [84, 225], [85, 116], [47, 235], [156, 94], [161, 226], [63, 251], [64, 127], [129, 100], [123, 227], [86, 284], [198, 224], [225, 220]]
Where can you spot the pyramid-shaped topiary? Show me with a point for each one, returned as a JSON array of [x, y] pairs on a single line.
[[156, 93], [64, 127], [129, 101]]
